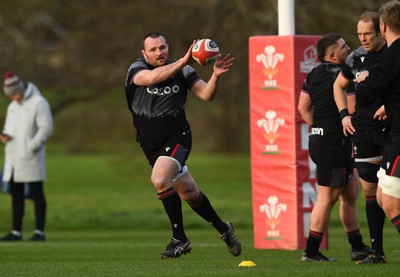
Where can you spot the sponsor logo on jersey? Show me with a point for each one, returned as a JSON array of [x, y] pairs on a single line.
[[317, 131], [163, 90]]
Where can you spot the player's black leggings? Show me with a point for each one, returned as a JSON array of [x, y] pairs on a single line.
[[18, 204]]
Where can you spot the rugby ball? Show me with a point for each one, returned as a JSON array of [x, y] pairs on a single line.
[[205, 51]]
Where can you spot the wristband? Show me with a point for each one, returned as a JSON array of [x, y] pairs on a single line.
[[343, 113]]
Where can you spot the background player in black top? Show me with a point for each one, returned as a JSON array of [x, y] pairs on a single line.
[[365, 126], [156, 90], [331, 151], [383, 82]]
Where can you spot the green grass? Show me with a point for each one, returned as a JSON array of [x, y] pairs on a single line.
[[104, 220]]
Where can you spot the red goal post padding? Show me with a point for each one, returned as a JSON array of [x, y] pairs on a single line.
[[282, 175]]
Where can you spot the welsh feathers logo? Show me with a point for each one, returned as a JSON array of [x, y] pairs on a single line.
[[270, 124], [273, 209], [270, 60]]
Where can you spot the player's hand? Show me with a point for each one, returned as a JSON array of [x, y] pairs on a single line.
[[360, 77], [380, 114], [188, 59], [222, 65], [4, 138], [348, 128]]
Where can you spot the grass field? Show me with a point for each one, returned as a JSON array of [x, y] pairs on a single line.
[[104, 220]]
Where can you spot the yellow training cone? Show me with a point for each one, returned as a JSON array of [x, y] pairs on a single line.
[[247, 263]]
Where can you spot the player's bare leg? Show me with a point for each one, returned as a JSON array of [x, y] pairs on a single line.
[[320, 217], [164, 170], [349, 216]]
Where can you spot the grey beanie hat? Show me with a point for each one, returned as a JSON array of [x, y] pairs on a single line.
[[12, 84]]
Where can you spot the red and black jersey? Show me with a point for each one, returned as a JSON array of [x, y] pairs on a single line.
[[357, 61], [158, 111]]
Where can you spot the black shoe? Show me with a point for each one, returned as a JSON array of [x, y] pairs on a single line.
[[373, 258], [11, 237], [358, 255], [234, 246], [37, 237], [319, 257], [175, 249]]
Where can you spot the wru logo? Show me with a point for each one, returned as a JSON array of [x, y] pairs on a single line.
[[273, 209], [271, 124], [270, 59]]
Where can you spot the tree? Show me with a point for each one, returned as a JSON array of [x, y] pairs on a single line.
[[79, 51]]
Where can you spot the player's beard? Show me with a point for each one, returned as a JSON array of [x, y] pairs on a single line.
[[160, 61]]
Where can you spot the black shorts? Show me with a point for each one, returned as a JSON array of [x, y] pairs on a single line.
[[391, 159], [177, 146], [368, 145], [334, 161]]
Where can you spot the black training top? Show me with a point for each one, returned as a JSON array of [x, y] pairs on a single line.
[[357, 61], [384, 82], [158, 111], [319, 85]]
